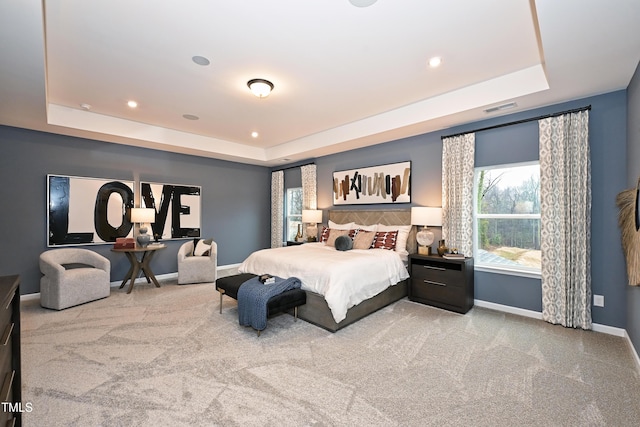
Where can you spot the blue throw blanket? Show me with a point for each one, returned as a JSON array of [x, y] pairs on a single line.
[[253, 296]]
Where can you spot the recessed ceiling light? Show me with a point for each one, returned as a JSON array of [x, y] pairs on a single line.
[[362, 3], [190, 117], [435, 62], [86, 107], [132, 104], [201, 60], [254, 134]]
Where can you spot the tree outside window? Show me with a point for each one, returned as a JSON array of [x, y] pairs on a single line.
[[507, 215]]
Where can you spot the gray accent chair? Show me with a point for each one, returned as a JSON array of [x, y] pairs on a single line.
[[73, 276], [195, 268]]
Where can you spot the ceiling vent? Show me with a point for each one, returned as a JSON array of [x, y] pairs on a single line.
[[501, 107]]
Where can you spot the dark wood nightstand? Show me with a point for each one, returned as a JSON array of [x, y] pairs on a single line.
[[292, 243], [441, 282]]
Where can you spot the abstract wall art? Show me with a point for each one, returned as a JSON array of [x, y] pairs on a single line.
[[389, 183]]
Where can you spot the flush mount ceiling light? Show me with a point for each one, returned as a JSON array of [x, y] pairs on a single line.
[[362, 3], [260, 87], [132, 104]]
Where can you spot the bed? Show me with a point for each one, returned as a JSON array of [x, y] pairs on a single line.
[[333, 299]]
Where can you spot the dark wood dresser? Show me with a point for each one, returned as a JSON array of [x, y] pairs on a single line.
[[441, 282], [11, 391]]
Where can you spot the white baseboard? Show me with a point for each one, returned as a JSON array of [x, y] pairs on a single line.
[[508, 309], [633, 350], [611, 330]]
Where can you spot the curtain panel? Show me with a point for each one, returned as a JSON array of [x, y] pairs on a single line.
[[277, 208], [457, 192], [309, 190], [565, 219]]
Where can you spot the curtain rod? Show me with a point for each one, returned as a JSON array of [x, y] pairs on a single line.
[[517, 122], [294, 167]]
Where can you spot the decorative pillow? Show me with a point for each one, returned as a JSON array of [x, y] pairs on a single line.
[[363, 239], [201, 247], [385, 240], [74, 265], [334, 234], [347, 226], [403, 235], [344, 243], [325, 233]]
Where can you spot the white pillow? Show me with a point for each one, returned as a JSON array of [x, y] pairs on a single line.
[[373, 227], [349, 226], [403, 235], [203, 248]]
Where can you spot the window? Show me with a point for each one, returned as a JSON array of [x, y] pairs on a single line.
[[507, 218], [293, 212]]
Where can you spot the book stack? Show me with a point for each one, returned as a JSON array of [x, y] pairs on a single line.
[[267, 279], [453, 256], [124, 243]]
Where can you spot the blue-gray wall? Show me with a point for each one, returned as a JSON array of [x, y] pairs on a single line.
[[512, 144], [235, 197], [633, 166]]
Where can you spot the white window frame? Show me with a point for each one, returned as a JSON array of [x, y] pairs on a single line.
[[522, 271]]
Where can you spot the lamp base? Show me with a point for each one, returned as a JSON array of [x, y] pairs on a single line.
[[424, 250], [143, 238]]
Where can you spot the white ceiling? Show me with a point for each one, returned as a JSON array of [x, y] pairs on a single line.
[[344, 76]]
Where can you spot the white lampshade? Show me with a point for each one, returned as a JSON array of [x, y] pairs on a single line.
[[143, 215], [426, 216], [311, 216]]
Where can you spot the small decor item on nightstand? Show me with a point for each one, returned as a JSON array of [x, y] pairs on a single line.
[[299, 233], [452, 255], [442, 248]]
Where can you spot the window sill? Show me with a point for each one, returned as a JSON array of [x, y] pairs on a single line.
[[508, 271]]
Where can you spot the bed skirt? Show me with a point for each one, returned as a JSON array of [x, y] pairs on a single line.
[[317, 311]]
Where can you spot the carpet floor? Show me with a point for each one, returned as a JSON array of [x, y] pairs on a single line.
[[166, 357]]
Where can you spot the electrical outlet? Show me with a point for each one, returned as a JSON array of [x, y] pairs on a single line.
[[598, 300]]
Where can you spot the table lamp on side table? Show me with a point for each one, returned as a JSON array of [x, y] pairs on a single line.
[[143, 216], [425, 216], [312, 217]]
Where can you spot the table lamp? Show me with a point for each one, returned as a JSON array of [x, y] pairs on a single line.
[[312, 217], [143, 216], [425, 216]]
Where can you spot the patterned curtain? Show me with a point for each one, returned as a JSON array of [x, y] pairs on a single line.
[[565, 219], [309, 198], [457, 192], [277, 208]]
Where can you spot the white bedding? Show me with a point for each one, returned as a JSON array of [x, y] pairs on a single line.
[[344, 278]]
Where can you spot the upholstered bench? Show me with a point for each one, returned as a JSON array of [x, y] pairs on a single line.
[[287, 300]]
